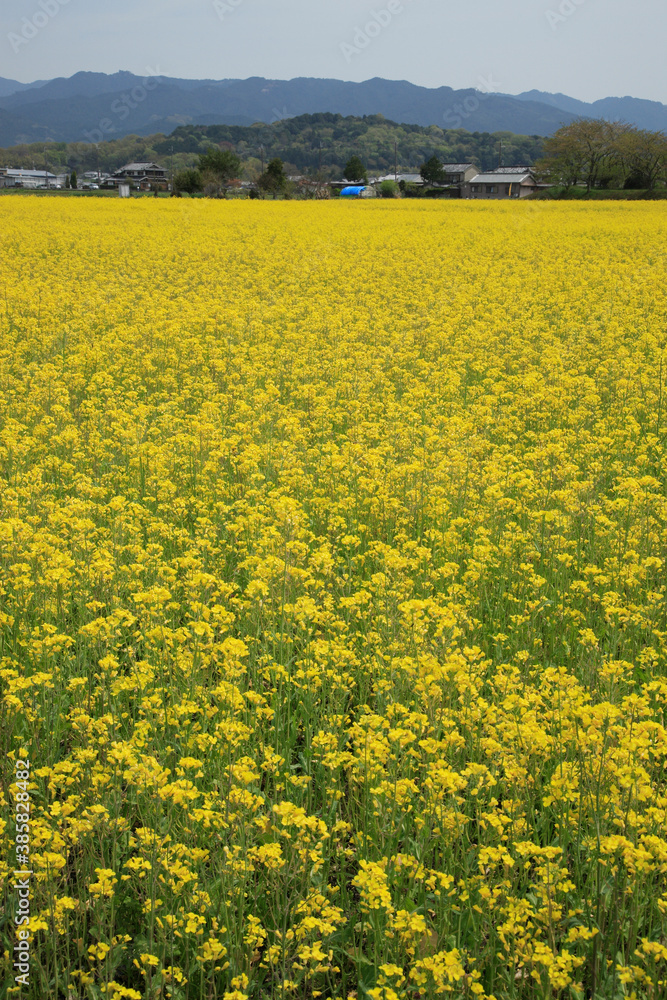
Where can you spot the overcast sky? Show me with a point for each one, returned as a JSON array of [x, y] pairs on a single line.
[[584, 48]]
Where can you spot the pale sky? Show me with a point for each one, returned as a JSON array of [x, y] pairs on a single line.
[[584, 48]]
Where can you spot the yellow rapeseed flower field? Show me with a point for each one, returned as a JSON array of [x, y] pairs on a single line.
[[332, 599]]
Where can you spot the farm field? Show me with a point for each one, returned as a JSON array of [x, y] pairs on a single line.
[[332, 599]]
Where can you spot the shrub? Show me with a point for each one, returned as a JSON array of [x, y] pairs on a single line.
[[389, 189]]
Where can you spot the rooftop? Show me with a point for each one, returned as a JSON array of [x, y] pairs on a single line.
[[516, 168], [12, 172], [495, 177], [140, 166], [408, 178]]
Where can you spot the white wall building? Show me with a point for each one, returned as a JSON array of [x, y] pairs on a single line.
[[11, 177]]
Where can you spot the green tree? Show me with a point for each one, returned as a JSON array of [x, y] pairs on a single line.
[[189, 181], [73, 180], [273, 180], [432, 172], [221, 164], [355, 170]]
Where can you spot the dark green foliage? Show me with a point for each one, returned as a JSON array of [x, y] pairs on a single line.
[[432, 171], [188, 181], [355, 170], [273, 180], [223, 164]]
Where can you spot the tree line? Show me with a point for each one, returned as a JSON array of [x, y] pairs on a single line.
[[218, 167], [590, 152], [598, 153]]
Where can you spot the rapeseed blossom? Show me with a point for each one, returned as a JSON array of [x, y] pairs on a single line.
[[332, 597]]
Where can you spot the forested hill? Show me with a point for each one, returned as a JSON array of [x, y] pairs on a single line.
[[307, 140], [304, 144]]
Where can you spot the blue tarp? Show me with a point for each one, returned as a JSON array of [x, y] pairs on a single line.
[[352, 191]]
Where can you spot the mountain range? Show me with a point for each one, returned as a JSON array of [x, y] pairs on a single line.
[[93, 107]]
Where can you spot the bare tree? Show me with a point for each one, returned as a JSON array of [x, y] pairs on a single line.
[[582, 150], [644, 156]]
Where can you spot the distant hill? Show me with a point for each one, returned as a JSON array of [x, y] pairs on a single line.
[[89, 107], [306, 144], [8, 87], [644, 114]]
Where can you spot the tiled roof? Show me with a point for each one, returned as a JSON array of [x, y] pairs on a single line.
[[141, 166], [495, 178], [522, 168]]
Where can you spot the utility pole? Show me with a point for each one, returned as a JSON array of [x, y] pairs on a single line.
[[500, 154], [319, 165], [261, 150], [396, 160], [46, 172]]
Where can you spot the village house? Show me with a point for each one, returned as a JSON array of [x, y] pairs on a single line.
[[142, 175], [458, 177], [504, 182], [406, 178], [10, 177]]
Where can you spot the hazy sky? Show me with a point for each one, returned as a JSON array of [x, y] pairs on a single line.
[[585, 48]]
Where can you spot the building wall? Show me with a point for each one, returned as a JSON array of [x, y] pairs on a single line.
[[33, 181], [501, 192]]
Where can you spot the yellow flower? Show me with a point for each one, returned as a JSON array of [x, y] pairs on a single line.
[[332, 590], [104, 886], [98, 951]]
